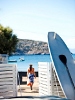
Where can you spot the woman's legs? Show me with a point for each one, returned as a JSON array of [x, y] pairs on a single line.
[[31, 85]]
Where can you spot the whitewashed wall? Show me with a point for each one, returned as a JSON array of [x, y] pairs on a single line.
[[48, 81], [8, 80]]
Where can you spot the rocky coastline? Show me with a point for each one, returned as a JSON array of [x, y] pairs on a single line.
[[25, 46]]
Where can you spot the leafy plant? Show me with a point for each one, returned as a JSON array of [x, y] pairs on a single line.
[[8, 40]]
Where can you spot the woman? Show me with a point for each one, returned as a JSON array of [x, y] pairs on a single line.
[[30, 76]]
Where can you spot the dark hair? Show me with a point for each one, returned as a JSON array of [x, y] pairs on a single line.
[[30, 67]]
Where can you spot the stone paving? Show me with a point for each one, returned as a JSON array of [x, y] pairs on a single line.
[[24, 90]]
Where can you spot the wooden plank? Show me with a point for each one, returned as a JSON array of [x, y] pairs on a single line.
[[44, 86], [59, 89], [45, 70], [43, 80], [6, 68], [7, 94], [6, 88], [6, 79], [42, 64], [43, 73], [6, 83], [43, 77], [6, 72], [6, 76], [12, 65], [43, 83], [43, 91]]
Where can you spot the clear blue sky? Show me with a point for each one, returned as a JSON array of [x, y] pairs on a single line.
[[33, 19]]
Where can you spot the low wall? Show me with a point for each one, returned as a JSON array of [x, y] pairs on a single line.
[[24, 74]]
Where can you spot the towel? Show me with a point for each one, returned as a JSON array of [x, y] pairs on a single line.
[[30, 79]]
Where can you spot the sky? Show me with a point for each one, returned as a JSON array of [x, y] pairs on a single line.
[[33, 19]]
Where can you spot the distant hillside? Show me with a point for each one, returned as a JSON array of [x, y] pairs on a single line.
[[26, 46]]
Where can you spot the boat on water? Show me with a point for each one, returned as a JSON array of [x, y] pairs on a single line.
[[12, 60], [21, 59]]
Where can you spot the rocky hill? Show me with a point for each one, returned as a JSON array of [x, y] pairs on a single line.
[[26, 46]]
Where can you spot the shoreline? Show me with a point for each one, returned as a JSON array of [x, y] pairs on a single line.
[[28, 54]]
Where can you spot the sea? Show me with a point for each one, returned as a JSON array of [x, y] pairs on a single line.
[[22, 65]]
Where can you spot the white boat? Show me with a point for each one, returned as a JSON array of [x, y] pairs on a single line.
[[12, 60], [21, 59]]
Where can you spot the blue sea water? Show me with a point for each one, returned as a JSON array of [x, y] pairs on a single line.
[[30, 59]]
